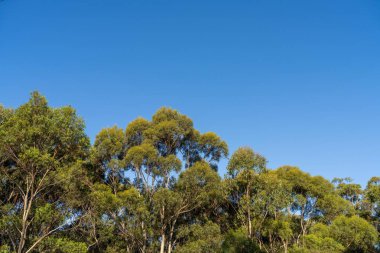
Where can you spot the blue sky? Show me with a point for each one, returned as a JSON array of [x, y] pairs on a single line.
[[299, 81]]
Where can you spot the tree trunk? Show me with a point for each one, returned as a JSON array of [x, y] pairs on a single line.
[[249, 213], [162, 213], [26, 210], [285, 245], [145, 237], [170, 244], [170, 248], [162, 250]]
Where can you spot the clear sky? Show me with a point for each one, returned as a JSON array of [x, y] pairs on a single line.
[[297, 80]]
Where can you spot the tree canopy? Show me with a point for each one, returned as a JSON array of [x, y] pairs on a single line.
[[154, 186]]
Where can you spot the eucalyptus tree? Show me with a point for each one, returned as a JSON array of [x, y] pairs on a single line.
[[154, 187], [243, 168], [354, 233], [197, 187], [349, 190], [319, 239], [200, 238], [152, 150], [38, 147], [306, 192], [271, 198], [371, 204], [108, 152], [372, 195], [148, 157]]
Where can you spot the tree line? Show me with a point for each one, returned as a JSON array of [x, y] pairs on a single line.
[[154, 187]]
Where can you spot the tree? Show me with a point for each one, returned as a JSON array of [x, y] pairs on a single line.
[[245, 159], [371, 203], [154, 187], [237, 241], [198, 186], [148, 157], [319, 240], [108, 152], [61, 245], [242, 169], [354, 233], [37, 143], [308, 196], [268, 204], [348, 190], [212, 148], [199, 238]]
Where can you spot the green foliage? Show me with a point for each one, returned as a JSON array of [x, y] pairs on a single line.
[[198, 238], [109, 143], [315, 244], [348, 190], [373, 190], [332, 205], [62, 245], [319, 240], [354, 233], [199, 183], [36, 143], [153, 187], [345, 234], [237, 241], [246, 159], [213, 148], [4, 249]]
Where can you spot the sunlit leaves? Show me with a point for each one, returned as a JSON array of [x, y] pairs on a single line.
[[246, 159]]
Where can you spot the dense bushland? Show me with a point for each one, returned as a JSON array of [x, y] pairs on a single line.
[[154, 187]]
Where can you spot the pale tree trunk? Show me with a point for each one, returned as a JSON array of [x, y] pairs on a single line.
[[33, 188], [303, 226], [145, 237], [162, 250], [170, 248], [285, 245], [170, 244], [249, 213], [27, 199]]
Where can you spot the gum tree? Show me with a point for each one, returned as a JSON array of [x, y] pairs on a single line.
[[37, 145]]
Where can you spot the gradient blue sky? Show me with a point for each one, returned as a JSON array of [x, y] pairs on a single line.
[[297, 80]]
